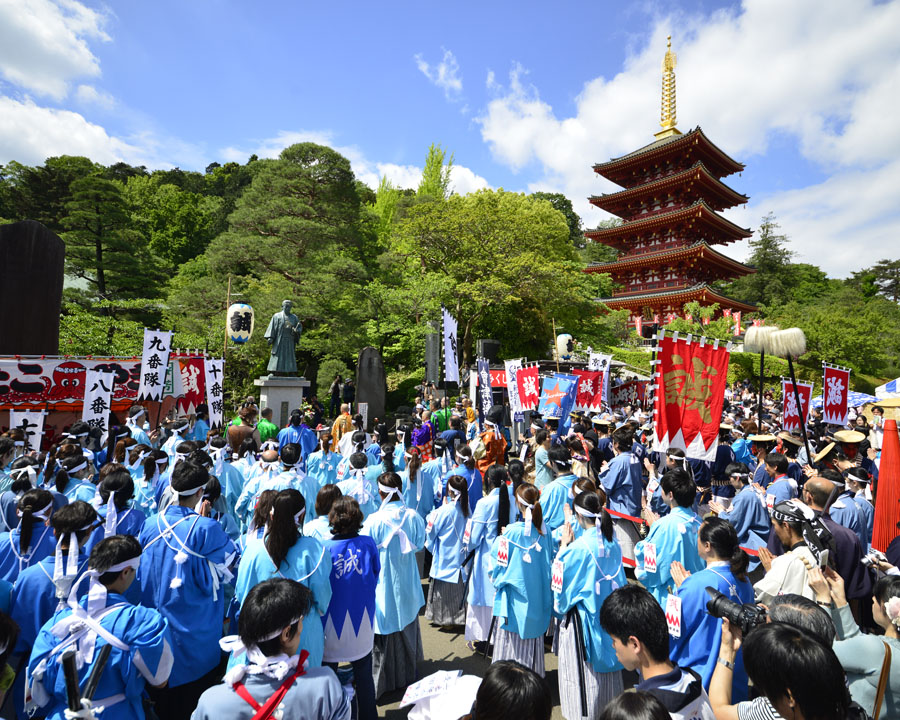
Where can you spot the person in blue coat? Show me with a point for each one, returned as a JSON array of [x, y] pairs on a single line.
[[322, 464], [586, 571], [857, 480], [187, 558], [137, 417], [467, 469], [230, 478], [844, 511], [399, 532], [31, 541], [671, 538], [622, 481], [201, 424], [760, 446], [359, 484], [444, 532], [780, 487], [556, 494], [493, 512], [696, 644], [114, 495], [268, 474], [521, 558], [73, 479], [747, 513], [24, 477], [320, 527], [179, 429], [418, 485], [145, 476], [285, 552], [721, 487], [300, 433], [439, 468], [141, 655]]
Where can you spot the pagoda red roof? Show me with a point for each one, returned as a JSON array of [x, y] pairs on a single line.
[[700, 212], [701, 292], [628, 170], [699, 250], [709, 188]]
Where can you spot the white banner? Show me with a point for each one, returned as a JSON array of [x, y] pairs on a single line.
[[154, 363], [215, 396], [98, 388], [513, 367], [363, 409], [451, 367], [598, 361], [31, 423]]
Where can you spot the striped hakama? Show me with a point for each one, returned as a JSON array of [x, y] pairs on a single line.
[[446, 602], [509, 646], [599, 688], [395, 658], [627, 535]]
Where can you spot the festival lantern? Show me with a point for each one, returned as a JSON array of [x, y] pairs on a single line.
[[239, 323]]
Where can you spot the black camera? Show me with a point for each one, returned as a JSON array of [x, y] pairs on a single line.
[[746, 617]]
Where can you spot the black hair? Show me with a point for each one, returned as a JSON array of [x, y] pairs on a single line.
[[777, 461], [291, 454], [593, 502], [623, 439], [358, 438], [121, 484], [9, 635], [530, 494], [283, 531], [540, 437], [263, 507], [6, 446], [200, 457], [387, 457], [357, 421], [150, 463], [359, 460], [803, 613], [185, 447], [680, 484], [459, 483], [112, 551], [248, 445], [440, 446], [495, 477], [345, 517], [832, 475], [188, 476], [738, 468], [212, 491], [270, 606], [77, 517], [465, 452], [79, 427], [296, 418], [516, 470], [632, 611], [32, 501], [390, 479], [511, 691], [326, 497], [560, 459], [22, 482], [217, 442], [723, 539], [780, 658], [67, 465], [886, 588], [636, 705]]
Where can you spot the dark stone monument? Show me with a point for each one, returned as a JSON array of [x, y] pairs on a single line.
[[31, 283], [371, 382], [432, 358]]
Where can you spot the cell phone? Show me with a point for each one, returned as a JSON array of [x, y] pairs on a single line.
[[823, 558]]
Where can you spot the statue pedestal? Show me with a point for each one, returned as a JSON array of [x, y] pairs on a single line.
[[282, 394]]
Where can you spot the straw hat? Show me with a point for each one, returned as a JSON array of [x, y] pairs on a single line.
[[849, 436]]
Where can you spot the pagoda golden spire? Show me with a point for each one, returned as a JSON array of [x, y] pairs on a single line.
[[667, 117]]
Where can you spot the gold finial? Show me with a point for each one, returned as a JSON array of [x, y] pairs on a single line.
[[667, 117]]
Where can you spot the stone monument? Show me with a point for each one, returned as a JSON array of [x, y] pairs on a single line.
[[371, 382], [282, 390]]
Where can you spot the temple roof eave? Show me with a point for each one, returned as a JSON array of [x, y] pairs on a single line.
[[701, 291], [699, 250]]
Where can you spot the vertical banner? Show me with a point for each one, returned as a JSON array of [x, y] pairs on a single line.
[[557, 396], [451, 368], [363, 409], [512, 369], [836, 391], [154, 362], [484, 388], [639, 325], [193, 385], [691, 378], [31, 423], [97, 392], [590, 389], [215, 397], [527, 385], [603, 363], [173, 386], [737, 322], [791, 415]]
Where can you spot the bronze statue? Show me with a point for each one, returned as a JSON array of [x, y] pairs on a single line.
[[283, 334]]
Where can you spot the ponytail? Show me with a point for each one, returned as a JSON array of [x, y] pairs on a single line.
[[62, 475], [529, 494], [516, 469], [461, 487], [387, 458], [723, 540], [287, 512], [31, 506], [413, 464], [496, 477]]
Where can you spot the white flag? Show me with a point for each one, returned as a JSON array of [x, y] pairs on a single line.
[[154, 363], [598, 361], [98, 388], [215, 395], [512, 367], [31, 423], [451, 368]]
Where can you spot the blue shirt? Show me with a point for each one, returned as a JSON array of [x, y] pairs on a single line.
[[622, 482], [522, 601], [674, 537], [473, 480], [444, 540], [481, 530], [554, 497]]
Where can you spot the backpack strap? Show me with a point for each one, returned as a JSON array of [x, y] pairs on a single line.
[[882, 681]]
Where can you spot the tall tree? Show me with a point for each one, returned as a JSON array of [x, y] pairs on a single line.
[[887, 278], [771, 283], [436, 174], [564, 205], [385, 206], [41, 193]]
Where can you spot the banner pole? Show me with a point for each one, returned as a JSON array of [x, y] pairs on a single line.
[[227, 305]]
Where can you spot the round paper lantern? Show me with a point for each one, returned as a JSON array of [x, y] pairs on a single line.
[[239, 323], [564, 346]]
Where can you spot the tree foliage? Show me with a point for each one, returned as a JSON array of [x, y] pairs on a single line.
[[435, 182]]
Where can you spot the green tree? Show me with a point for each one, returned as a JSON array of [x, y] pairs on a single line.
[[564, 205], [386, 199], [436, 174], [42, 193], [886, 277], [771, 283], [592, 251]]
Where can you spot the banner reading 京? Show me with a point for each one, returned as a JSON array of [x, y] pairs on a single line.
[[790, 414], [451, 366], [836, 391], [98, 387], [691, 376], [31, 423], [603, 363], [154, 363], [215, 396], [512, 369]]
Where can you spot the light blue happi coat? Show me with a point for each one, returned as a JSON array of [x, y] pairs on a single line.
[[444, 532], [148, 660], [173, 442], [473, 483], [779, 491], [144, 497], [199, 431], [523, 600], [592, 569], [622, 482], [482, 529], [436, 470], [13, 561], [322, 467], [844, 511], [749, 517], [698, 646], [399, 532], [675, 538], [260, 479], [309, 563], [232, 483], [867, 512], [358, 485], [188, 594], [419, 494], [554, 497], [318, 528], [80, 490], [140, 436]]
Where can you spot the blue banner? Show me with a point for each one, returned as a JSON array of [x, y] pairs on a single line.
[[557, 396]]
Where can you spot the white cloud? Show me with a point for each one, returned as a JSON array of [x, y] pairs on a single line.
[[827, 75], [44, 44], [445, 74], [89, 95]]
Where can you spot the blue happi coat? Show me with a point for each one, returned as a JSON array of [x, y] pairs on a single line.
[[522, 599], [473, 483], [554, 497], [13, 561], [622, 482], [844, 511], [867, 512], [129, 521], [444, 540], [364, 489], [322, 467], [675, 538], [419, 494], [482, 529], [349, 620]]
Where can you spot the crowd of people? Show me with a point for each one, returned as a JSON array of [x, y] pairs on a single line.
[[258, 571]]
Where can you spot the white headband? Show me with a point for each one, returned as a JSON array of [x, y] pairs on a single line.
[[586, 513], [528, 516], [43, 513], [77, 468], [19, 443], [188, 493]]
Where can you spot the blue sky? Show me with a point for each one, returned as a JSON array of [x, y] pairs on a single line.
[[527, 95]]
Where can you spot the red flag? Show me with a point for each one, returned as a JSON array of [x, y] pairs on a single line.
[[706, 321], [639, 324], [527, 381], [737, 323], [887, 489], [691, 378], [193, 381], [726, 312], [790, 414], [589, 388], [836, 391], [689, 318]]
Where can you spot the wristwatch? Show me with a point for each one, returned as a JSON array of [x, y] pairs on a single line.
[[726, 663]]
